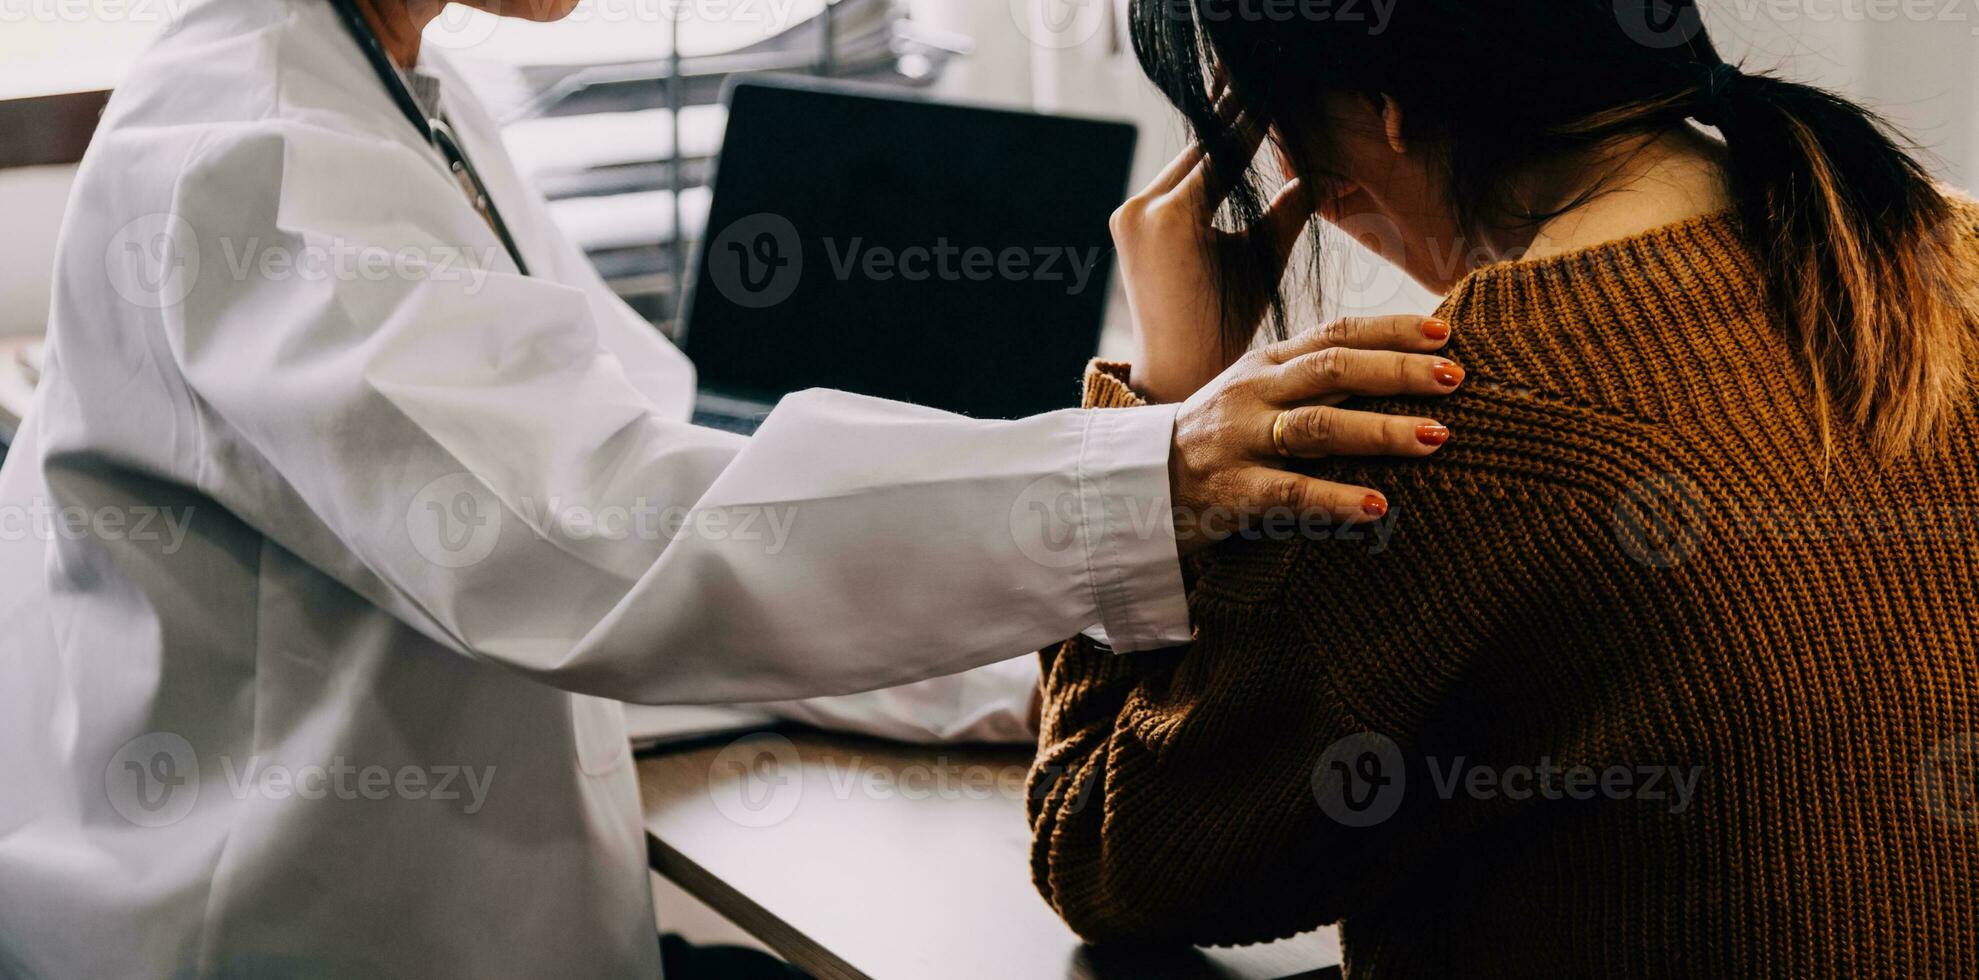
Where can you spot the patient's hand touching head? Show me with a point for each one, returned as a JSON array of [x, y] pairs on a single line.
[[1450, 135]]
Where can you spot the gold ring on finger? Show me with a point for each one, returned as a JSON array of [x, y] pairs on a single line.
[[1278, 434]]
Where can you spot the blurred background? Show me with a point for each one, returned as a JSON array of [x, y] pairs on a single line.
[[614, 112]]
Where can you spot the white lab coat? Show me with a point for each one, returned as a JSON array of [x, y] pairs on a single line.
[[314, 578]]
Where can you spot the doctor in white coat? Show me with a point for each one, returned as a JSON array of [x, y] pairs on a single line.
[[331, 535]]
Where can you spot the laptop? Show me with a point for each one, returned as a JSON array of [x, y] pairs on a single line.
[[893, 245]]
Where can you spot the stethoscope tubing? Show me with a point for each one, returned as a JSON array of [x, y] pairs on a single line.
[[435, 133]]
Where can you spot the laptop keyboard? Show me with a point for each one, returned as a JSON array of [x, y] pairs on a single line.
[[728, 423]]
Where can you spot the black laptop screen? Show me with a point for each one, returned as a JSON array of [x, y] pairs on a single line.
[[949, 256]]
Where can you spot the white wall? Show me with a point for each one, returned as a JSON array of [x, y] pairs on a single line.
[[32, 199], [47, 49], [1916, 62]]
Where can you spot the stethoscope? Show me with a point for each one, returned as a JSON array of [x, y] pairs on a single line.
[[438, 134]]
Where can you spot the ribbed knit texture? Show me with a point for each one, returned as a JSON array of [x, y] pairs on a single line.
[[1629, 555]]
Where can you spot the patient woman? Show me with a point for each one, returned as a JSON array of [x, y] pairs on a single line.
[[1671, 663]]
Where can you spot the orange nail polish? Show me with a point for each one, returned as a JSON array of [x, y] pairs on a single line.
[[1447, 374], [1432, 434], [1374, 506], [1435, 329]]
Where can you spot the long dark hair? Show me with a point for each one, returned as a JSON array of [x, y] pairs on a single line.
[[1859, 249]]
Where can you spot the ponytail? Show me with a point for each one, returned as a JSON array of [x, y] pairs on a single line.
[[1864, 256]]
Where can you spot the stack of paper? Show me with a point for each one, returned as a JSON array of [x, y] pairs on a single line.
[[597, 224], [605, 33], [616, 57], [588, 101], [553, 147]]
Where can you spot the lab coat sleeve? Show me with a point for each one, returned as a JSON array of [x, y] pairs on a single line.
[[992, 704], [452, 441]]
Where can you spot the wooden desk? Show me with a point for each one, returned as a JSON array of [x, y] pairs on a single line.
[[861, 859]]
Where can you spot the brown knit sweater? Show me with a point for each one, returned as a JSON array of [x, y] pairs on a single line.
[[1631, 690]]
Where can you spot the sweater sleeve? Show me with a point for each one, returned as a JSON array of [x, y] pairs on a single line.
[[1106, 386], [1174, 797], [1249, 786]]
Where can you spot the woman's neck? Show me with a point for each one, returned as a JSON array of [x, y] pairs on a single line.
[[1630, 189], [398, 24]]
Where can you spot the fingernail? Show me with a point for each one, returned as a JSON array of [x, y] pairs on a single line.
[[1435, 329], [1447, 374], [1374, 506], [1432, 434]]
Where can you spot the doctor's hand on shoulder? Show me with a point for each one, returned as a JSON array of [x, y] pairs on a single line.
[[1246, 417]]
